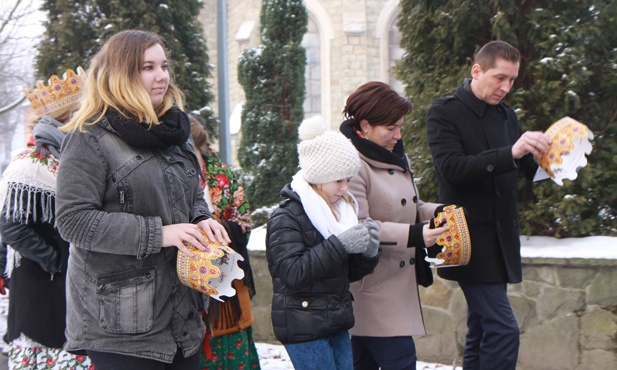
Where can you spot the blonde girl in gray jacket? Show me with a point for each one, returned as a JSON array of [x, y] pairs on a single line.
[[128, 200]]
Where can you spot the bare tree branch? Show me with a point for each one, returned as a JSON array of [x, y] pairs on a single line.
[[9, 18], [12, 105]]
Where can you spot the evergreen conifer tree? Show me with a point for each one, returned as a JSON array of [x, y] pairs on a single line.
[[567, 69], [272, 76], [75, 30]]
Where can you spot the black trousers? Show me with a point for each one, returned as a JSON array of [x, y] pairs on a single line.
[[114, 361], [492, 339], [387, 353]]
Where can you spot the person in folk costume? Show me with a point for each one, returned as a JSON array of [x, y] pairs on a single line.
[[129, 202], [38, 255], [229, 341]]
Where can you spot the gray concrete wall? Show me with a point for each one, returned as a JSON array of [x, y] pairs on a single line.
[[566, 310]]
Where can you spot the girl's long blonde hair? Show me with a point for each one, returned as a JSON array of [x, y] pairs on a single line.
[[320, 192], [113, 81]]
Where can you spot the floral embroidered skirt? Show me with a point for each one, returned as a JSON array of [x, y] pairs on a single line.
[[27, 354], [231, 352]]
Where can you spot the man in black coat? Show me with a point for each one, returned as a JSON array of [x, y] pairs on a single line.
[[479, 150]]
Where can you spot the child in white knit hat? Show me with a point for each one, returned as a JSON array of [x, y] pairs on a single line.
[[315, 248]]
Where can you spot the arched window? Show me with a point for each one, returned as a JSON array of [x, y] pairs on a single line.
[[311, 42], [389, 43], [395, 53]]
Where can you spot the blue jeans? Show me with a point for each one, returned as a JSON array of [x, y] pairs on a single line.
[[330, 353]]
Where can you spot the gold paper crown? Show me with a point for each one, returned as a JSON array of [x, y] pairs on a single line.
[[58, 94]]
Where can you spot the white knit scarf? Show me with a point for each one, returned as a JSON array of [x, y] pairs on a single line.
[[319, 212]]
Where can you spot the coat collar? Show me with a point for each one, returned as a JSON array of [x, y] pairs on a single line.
[[464, 93], [479, 107], [288, 193]]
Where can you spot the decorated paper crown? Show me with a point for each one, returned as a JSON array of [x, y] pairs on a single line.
[[570, 144], [456, 242], [57, 94], [211, 271]]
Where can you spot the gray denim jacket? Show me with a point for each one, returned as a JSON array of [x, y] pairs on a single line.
[[123, 292]]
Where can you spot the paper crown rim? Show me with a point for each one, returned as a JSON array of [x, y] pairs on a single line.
[[58, 93]]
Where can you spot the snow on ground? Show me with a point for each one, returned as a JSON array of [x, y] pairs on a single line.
[[274, 357]]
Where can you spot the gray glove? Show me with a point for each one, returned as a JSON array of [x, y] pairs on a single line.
[[373, 243], [355, 239]]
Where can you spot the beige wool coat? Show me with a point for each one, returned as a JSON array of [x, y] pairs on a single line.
[[386, 302]]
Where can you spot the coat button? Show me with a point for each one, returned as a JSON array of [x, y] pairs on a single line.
[[412, 261], [191, 314], [489, 168], [138, 158], [415, 199], [403, 201], [391, 171], [305, 304], [498, 194], [402, 264]]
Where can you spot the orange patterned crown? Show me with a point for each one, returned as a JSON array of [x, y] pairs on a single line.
[[567, 154], [58, 94], [211, 271], [456, 242]]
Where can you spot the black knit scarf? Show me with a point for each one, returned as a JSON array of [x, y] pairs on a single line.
[[174, 129], [375, 151]]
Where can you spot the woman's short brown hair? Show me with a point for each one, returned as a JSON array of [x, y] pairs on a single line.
[[377, 103]]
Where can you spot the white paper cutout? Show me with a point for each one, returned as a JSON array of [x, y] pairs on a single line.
[[567, 155], [211, 271]]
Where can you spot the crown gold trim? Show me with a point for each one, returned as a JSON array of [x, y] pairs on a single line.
[[58, 93]]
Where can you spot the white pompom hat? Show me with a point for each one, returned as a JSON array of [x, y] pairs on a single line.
[[325, 156]]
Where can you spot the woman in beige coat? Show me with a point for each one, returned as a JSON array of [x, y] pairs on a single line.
[[386, 303]]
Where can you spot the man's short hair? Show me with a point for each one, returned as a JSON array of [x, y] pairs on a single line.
[[489, 53]]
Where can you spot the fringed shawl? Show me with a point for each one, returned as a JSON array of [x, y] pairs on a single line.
[[28, 186]]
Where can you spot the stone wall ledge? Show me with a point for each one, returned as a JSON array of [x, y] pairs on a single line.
[[579, 262], [566, 309]]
